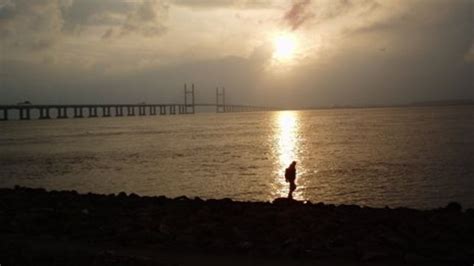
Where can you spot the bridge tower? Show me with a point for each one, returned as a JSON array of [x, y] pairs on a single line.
[[220, 105], [186, 105]]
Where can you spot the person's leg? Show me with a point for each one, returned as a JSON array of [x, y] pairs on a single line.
[[290, 192], [292, 188]]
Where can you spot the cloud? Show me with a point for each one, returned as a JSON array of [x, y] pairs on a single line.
[[146, 19], [83, 13], [121, 18], [31, 24], [38, 25], [298, 13], [428, 49], [223, 3], [108, 33]]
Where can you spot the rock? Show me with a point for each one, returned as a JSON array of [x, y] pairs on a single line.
[[245, 245], [284, 227], [470, 212], [372, 255], [347, 252], [415, 259], [319, 205], [453, 207], [293, 247], [198, 199], [395, 241], [227, 200], [284, 202], [133, 196], [182, 198]]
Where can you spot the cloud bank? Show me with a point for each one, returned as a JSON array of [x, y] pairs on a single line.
[[350, 52]]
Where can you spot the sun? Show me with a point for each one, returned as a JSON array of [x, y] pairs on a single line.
[[284, 47]]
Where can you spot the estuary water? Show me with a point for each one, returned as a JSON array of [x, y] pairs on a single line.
[[415, 157]]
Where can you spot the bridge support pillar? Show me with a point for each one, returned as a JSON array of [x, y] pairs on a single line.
[[5, 114], [118, 111], [141, 110], [62, 112], [172, 109], [130, 110], [162, 110], [44, 113], [25, 113], [105, 111], [152, 110], [78, 112], [93, 112]]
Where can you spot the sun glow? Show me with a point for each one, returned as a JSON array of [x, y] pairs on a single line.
[[284, 47], [287, 140]]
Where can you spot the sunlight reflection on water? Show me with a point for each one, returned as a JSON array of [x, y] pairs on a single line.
[[415, 157], [286, 136]]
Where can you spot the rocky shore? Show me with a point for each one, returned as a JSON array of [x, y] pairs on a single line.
[[66, 228]]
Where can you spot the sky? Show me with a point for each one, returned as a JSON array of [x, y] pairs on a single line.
[[300, 53]]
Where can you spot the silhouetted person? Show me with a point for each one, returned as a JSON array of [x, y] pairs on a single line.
[[290, 177]]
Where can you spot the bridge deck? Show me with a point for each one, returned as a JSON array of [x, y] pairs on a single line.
[[35, 106], [44, 111]]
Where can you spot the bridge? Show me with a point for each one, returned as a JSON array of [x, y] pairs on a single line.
[[27, 111]]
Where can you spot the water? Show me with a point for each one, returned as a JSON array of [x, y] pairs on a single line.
[[416, 157]]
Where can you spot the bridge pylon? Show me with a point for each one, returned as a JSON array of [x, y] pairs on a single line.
[[187, 105], [220, 100]]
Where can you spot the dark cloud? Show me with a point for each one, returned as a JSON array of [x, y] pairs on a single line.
[[318, 12], [146, 19], [7, 11], [42, 44], [39, 24], [298, 13], [204, 3], [108, 33], [223, 3], [95, 12], [362, 8], [31, 24]]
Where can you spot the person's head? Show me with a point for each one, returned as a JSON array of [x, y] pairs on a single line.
[[293, 164]]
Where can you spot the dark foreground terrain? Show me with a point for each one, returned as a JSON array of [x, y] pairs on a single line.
[[67, 228]]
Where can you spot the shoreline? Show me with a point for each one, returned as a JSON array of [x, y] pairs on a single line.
[[40, 227]]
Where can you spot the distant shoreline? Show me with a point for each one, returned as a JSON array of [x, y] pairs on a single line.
[[415, 104], [40, 227]]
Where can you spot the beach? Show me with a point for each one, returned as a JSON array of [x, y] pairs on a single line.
[[40, 227]]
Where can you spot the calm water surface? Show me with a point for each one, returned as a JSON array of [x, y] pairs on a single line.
[[416, 157]]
